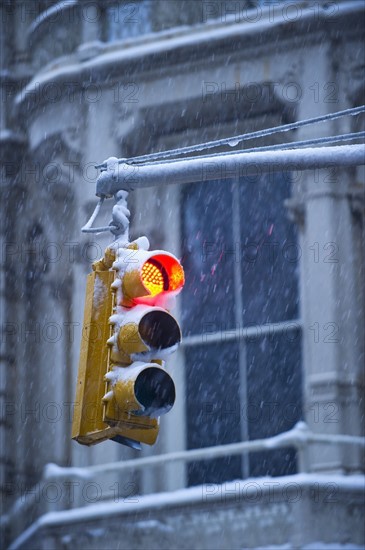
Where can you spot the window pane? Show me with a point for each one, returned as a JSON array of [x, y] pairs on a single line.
[[128, 19], [207, 300], [213, 409], [269, 250], [274, 397]]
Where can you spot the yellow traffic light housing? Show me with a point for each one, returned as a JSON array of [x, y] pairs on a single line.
[[122, 387], [142, 389], [88, 426]]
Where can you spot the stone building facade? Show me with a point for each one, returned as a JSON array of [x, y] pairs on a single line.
[[83, 81]]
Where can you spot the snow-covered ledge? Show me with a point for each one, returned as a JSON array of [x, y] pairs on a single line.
[[293, 510], [291, 504]]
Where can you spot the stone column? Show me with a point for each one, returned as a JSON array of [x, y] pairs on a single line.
[[332, 336], [12, 194]]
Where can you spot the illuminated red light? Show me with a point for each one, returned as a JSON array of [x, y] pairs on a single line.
[[162, 273], [152, 278]]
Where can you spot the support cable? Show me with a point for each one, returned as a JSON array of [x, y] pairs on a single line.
[[235, 140], [87, 227], [284, 146]]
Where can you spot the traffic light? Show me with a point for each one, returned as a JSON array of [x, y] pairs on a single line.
[[122, 386]]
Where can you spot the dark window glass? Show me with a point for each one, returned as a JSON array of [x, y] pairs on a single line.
[[264, 250], [213, 409], [274, 396], [269, 250], [208, 300]]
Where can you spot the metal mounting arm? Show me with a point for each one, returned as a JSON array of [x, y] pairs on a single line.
[[119, 225]]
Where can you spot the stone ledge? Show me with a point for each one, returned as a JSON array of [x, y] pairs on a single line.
[[294, 510]]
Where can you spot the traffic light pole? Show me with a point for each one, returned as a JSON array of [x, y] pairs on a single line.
[[120, 174]]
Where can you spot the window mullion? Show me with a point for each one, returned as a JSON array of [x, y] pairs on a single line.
[[238, 315]]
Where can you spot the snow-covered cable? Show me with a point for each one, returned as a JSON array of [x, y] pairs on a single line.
[[119, 224], [235, 140], [279, 146], [87, 227], [98, 229]]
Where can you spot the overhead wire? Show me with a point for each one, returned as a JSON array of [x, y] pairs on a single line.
[[235, 140], [288, 145], [169, 156]]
